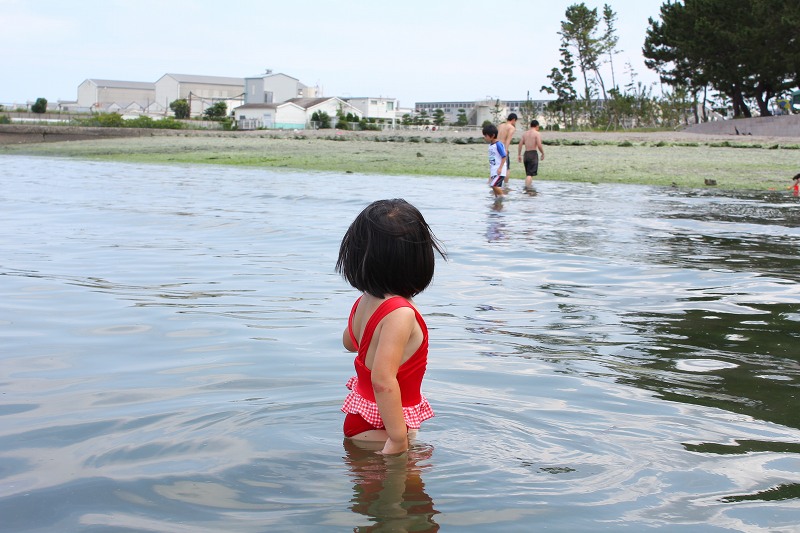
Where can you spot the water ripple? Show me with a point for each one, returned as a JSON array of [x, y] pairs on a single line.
[[601, 356]]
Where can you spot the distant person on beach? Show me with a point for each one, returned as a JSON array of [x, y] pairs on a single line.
[[498, 158], [795, 187], [388, 254], [532, 142], [505, 134]]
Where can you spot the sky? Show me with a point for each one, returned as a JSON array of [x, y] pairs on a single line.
[[414, 50]]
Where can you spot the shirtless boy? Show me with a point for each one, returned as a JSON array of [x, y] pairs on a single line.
[[505, 134], [532, 141]]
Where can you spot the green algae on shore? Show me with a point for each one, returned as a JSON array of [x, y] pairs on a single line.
[[591, 158]]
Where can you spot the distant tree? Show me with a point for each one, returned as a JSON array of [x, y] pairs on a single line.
[[217, 111], [610, 39], [341, 119], [40, 106], [562, 80], [438, 117], [407, 120], [579, 31], [322, 119], [528, 111], [181, 108], [742, 49], [497, 111], [461, 118]]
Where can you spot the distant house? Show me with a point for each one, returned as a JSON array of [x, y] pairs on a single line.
[[378, 108], [292, 114], [201, 91], [328, 104], [275, 89], [285, 115], [99, 95]]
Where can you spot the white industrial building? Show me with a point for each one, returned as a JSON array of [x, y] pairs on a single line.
[[272, 88], [269, 100], [98, 95], [479, 111], [200, 91]]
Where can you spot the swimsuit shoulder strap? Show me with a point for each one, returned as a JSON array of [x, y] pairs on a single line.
[[350, 323], [392, 304]]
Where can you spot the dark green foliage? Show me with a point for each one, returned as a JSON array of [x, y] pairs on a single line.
[[561, 80], [322, 119], [217, 111], [579, 32], [115, 120], [108, 120], [140, 122], [40, 106], [168, 123], [743, 49], [181, 108]]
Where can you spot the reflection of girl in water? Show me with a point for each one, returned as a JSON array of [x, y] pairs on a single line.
[[389, 489], [388, 254]]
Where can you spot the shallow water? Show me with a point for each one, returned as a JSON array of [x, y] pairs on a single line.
[[603, 357]]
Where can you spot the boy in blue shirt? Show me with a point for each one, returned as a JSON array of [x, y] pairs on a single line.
[[497, 159]]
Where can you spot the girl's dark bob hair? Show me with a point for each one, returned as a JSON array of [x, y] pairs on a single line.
[[389, 249]]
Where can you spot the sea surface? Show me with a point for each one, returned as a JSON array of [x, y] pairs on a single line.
[[603, 357]]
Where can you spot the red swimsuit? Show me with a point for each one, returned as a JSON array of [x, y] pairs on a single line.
[[362, 411]]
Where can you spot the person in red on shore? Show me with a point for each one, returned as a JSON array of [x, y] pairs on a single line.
[[387, 253]]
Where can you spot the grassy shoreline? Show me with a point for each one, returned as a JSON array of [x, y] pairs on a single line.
[[656, 158]]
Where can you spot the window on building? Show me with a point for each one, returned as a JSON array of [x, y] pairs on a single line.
[[389, 106]]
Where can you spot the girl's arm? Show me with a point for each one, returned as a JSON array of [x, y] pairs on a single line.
[[348, 342], [395, 332]]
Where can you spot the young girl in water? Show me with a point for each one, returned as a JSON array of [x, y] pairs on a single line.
[[387, 254]]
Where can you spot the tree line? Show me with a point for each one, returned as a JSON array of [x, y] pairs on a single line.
[[720, 55]]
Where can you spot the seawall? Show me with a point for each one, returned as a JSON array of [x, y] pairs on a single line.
[[778, 126]]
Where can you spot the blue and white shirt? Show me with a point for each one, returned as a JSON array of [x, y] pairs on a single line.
[[497, 151]]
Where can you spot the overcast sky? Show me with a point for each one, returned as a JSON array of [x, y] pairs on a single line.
[[414, 50]]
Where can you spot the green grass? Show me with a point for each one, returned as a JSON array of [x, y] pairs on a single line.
[[685, 164]]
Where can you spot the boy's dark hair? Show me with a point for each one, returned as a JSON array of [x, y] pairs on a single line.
[[534, 123], [512, 116], [490, 130], [389, 249]]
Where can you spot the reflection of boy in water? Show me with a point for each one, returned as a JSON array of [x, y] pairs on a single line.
[[497, 159]]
